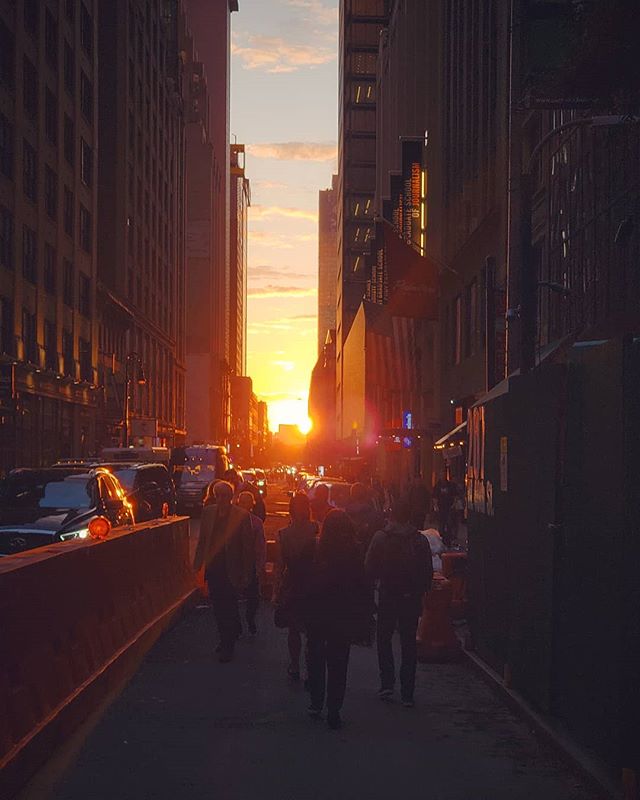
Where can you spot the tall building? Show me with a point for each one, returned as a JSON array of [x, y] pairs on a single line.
[[361, 22], [245, 420], [141, 219], [208, 372], [48, 245], [327, 262], [240, 200]]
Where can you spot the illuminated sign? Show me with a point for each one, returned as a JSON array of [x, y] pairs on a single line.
[[412, 156], [407, 420]]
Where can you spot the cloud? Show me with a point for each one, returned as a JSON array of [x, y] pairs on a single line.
[[269, 273], [275, 54], [263, 212], [268, 185], [278, 240], [281, 291], [317, 11], [287, 366], [295, 151]]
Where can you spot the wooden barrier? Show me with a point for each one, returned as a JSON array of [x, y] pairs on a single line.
[[69, 616]]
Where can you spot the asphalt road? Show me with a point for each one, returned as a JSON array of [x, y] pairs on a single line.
[[189, 727]]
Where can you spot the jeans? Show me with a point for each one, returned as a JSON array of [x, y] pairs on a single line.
[[224, 601], [401, 614], [252, 595], [328, 656]]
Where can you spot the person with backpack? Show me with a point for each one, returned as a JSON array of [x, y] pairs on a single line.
[[364, 515], [399, 559]]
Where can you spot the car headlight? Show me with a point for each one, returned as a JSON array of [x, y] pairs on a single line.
[[260, 483], [81, 533]]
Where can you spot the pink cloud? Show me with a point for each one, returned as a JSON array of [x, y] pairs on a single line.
[[295, 151]]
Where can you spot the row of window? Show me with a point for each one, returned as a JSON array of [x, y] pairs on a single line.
[[29, 336], [31, 18]]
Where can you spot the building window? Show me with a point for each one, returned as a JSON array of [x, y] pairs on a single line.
[[51, 116], [69, 68], [51, 40], [67, 354], [29, 339], [86, 30], [84, 295], [6, 147], [68, 211], [50, 191], [7, 56], [86, 97], [29, 254], [69, 140], [84, 352], [85, 229], [6, 238], [30, 89], [67, 283], [29, 171], [6, 326], [86, 163], [50, 346], [50, 270], [31, 16]]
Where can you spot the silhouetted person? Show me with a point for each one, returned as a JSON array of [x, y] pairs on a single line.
[[240, 485], [399, 558], [294, 565], [246, 500], [419, 501], [226, 549], [320, 505], [364, 515], [444, 495], [338, 608]]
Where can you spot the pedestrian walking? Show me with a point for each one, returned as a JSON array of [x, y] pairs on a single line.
[[364, 515], [234, 477], [320, 504], [247, 501], [226, 549], [338, 608], [293, 570], [399, 559], [444, 495]]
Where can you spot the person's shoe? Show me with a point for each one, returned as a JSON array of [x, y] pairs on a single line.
[[314, 711], [225, 655], [334, 720], [408, 702], [385, 694]]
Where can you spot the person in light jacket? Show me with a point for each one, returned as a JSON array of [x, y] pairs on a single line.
[[226, 549]]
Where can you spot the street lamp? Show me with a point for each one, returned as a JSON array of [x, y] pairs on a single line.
[[529, 278], [133, 372]]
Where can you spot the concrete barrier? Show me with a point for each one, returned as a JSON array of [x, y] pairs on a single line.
[[73, 618]]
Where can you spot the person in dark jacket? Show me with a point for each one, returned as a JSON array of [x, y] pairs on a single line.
[[294, 565], [338, 607], [444, 496], [226, 549], [399, 559], [364, 515], [240, 485]]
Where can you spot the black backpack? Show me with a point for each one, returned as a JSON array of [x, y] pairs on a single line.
[[406, 564]]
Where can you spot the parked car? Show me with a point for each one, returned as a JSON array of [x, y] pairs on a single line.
[[148, 487], [339, 490], [193, 469], [39, 507]]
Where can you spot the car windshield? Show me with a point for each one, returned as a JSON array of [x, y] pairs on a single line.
[[34, 492], [126, 477]]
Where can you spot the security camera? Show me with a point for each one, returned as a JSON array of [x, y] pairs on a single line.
[[512, 314]]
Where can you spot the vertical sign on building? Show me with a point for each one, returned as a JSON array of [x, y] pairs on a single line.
[[412, 152]]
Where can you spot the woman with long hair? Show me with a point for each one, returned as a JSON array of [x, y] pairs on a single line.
[[337, 611], [294, 566]]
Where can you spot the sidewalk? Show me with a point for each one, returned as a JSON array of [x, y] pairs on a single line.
[[188, 727]]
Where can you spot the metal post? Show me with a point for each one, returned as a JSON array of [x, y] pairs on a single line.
[[127, 401], [528, 279]]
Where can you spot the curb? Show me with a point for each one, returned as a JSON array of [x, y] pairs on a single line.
[[577, 759]]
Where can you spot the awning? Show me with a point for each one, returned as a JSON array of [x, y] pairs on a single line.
[[453, 438]]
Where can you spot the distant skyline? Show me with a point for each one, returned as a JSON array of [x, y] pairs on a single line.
[[284, 108]]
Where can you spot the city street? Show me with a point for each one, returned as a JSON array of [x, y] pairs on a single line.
[[187, 726]]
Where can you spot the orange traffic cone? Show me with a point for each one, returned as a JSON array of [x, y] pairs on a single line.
[[437, 641]]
